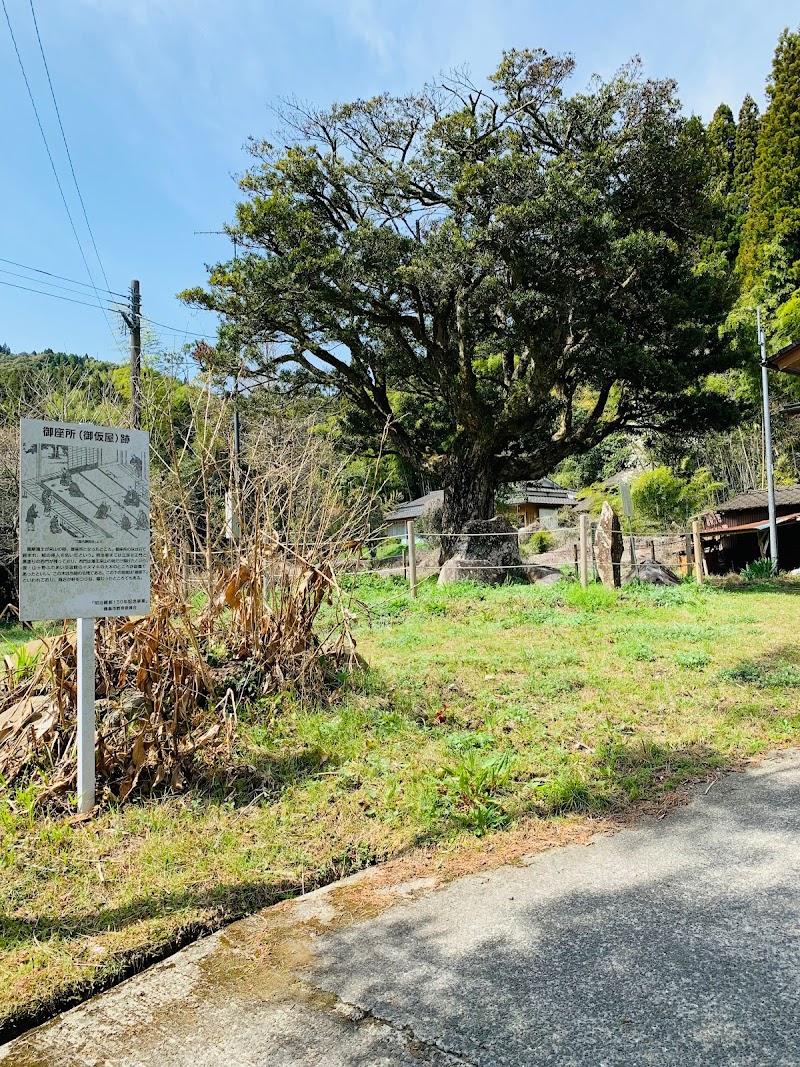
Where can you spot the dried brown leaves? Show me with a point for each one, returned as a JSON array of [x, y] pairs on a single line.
[[252, 601]]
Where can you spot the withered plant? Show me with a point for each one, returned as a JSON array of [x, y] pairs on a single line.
[[246, 551]]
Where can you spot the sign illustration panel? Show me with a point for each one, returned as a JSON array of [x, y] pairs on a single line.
[[84, 521]]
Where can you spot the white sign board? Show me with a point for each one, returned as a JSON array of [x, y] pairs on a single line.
[[84, 521]]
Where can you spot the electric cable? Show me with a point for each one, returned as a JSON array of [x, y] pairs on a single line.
[[175, 329], [61, 277], [57, 296], [66, 146], [55, 175], [53, 285]]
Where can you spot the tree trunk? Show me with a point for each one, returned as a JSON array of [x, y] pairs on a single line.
[[469, 489]]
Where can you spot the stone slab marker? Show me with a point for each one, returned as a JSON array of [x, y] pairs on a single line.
[[608, 547]]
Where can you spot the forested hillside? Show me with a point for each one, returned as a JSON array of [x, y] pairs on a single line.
[[755, 174]]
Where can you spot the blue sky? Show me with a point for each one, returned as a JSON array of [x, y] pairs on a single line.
[[159, 96]]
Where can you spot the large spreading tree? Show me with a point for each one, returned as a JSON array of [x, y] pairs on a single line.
[[497, 277]]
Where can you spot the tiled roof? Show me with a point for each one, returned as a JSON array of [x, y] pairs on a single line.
[[785, 496], [543, 491], [412, 509]]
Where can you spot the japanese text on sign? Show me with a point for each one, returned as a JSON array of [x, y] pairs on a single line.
[[84, 521]]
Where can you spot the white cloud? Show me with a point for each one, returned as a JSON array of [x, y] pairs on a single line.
[[366, 19]]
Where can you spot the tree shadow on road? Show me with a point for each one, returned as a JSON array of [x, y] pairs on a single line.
[[663, 945]]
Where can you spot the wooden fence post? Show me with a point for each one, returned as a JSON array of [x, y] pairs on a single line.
[[412, 557], [583, 563], [698, 552]]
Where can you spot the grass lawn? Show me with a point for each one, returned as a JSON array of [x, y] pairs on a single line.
[[479, 709], [14, 635]]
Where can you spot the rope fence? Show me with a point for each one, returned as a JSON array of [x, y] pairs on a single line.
[[558, 549]]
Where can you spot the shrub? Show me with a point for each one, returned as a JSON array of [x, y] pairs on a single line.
[[541, 541], [661, 497], [760, 570]]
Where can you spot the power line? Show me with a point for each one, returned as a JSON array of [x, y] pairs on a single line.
[[53, 285], [61, 277], [57, 296], [176, 329], [55, 172], [66, 146]]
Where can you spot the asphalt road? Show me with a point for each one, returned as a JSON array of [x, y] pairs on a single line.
[[675, 943]]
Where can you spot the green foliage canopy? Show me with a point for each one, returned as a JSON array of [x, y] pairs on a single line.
[[661, 497], [502, 278], [744, 156], [771, 233]]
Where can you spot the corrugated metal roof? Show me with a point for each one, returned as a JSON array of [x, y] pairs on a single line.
[[751, 527], [787, 495]]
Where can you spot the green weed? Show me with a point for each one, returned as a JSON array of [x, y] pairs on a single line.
[[636, 650], [692, 658], [760, 570], [567, 791], [763, 676], [467, 793]]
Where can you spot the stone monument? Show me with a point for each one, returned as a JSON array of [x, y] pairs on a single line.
[[608, 547]]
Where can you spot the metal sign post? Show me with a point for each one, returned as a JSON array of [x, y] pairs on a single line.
[[773, 523], [627, 511], [84, 545], [86, 719]]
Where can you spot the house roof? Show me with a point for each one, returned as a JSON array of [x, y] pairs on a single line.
[[544, 491], [785, 496], [787, 360], [412, 509]]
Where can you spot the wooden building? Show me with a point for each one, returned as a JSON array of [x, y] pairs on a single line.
[[787, 360], [523, 503], [737, 532], [410, 509], [526, 503]]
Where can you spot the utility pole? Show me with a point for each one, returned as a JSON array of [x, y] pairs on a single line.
[[133, 320], [773, 524], [136, 356]]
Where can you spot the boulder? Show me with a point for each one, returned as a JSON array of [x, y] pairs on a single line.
[[542, 575], [653, 572], [488, 552], [608, 547]]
